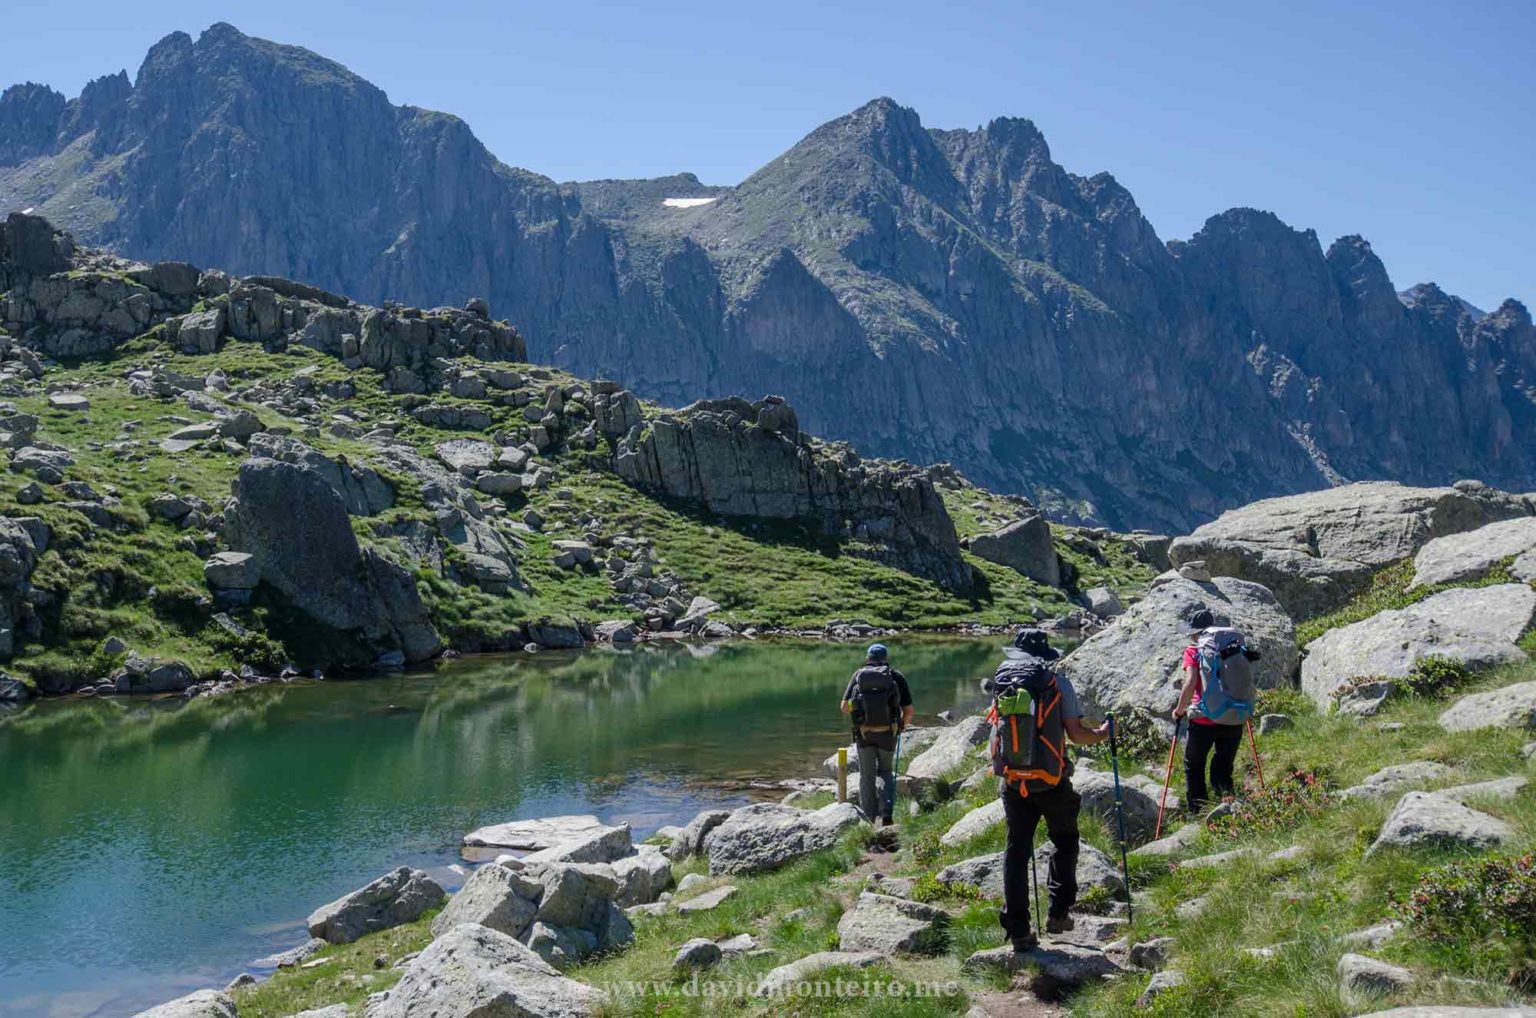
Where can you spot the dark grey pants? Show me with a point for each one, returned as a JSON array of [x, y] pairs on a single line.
[[875, 762]]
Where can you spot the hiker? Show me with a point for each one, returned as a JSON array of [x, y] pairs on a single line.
[[1034, 711], [1215, 733], [880, 704]]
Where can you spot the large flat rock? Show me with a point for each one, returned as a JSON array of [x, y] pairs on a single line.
[[1460, 558], [536, 834], [1319, 549], [1397, 778], [1136, 661], [1477, 627], [1510, 707]]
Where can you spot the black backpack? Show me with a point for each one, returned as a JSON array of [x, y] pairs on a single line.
[[876, 702], [1029, 736]]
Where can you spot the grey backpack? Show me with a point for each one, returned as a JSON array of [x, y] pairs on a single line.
[[1226, 675]]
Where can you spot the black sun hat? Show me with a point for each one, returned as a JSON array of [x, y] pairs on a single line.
[[1035, 643]]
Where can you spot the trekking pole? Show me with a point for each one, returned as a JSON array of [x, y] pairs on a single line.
[[895, 771], [1254, 743], [1034, 879], [1167, 778], [1125, 865]]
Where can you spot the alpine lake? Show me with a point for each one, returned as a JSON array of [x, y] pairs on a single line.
[[153, 847]]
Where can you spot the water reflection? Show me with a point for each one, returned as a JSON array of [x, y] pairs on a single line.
[[154, 847]]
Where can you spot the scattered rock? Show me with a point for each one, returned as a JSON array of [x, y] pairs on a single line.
[[1098, 793], [1152, 954], [1499, 788], [952, 749], [68, 401], [1319, 549], [290, 957], [1171, 844], [706, 901], [1509, 707], [974, 824], [1476, 627], [1025, 546], [201, 1004], [690, 841], [698, 953], [605, 845], [1159, 984], [1397, 777], [1372, 937], [493, 896], [472, 971], [1103, 602], [1473, 554], [231, 570], [395, 898], [1424, 818], [1363, 977], [763, 836], [1064, 965], [890, 925], [783, 979], [1270, 723]]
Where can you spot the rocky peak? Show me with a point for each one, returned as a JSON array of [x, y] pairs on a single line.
[[29, 118], [1364, 287]]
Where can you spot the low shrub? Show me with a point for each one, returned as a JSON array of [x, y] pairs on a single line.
[[1435, 676], [1494, 896], [1287, 803], [927, 888]]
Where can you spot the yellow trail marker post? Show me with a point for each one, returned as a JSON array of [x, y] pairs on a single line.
[[842, 774]]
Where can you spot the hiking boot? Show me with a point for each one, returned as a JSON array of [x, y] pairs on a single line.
[[1028, 942], [886, 821], [1059, 924]]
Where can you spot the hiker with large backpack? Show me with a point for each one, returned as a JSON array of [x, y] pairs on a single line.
[[880, 704], [1034, 712], [1218, 698]]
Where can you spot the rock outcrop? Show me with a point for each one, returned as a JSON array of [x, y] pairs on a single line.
[[295, 526], [1428, 819], [1025, 546], [1473, 554], [747, 459], [1510, 707], [1318, 550], [1136, 661], [880, 922], [1475, 627]]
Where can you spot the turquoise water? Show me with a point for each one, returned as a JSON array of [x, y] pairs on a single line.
[[151, 848]]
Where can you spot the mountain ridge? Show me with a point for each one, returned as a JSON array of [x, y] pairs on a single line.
[[932, 294]]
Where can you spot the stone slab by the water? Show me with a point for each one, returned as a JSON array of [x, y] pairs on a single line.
[[783, 979], [400, 896], [602, 845], [471, 971], [1509, 707], [1136, 661], [1424, 818], [1476, 627], [1460, 558], [533, 835], [201, 1004]]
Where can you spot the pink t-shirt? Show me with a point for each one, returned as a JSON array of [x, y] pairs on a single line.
[[1192, 660]]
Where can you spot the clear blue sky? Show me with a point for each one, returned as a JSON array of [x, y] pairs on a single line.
[[1409, 122]]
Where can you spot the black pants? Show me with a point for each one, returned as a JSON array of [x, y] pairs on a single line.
[[1059, 807], [1225, 740]]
